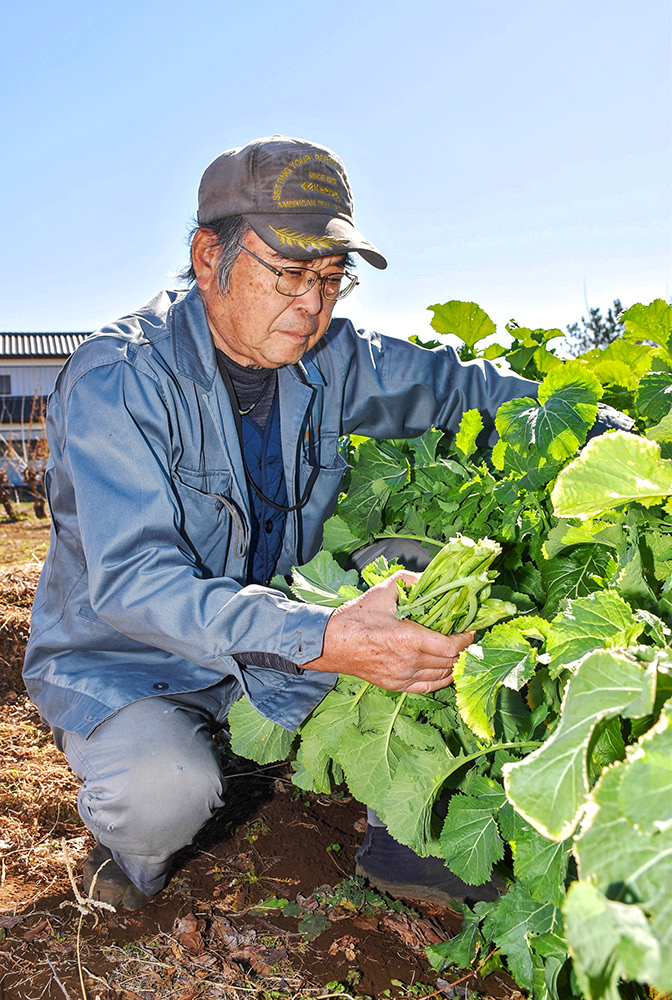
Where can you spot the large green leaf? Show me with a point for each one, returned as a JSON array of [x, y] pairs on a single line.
[[422, 449], [510, 923], [339, 536], [470, 841], [662, 431], [503, 657], [323, 581], [337, 713], [636, 357], [625, 860], [576, 383], [646, 787], [465, 320], [550, 787], [613, 373], [609, 941], [380, 468], [369, 754], [576, 573], [612, 470], [649, 322], [565, 535], [653, 396], [313, 764], [540, 864], [627, 857], [602, 619], [556, 425], [408, 810], [255, 737]]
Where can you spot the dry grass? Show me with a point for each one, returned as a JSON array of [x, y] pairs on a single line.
[[37, 790], [25, 539], [38, 802], [17, 587]]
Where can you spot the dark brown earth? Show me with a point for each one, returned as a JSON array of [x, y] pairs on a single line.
[[217, 930]]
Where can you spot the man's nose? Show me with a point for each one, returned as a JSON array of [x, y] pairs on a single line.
[[312, 300]]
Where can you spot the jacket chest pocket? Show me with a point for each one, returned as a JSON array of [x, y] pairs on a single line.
[[210, 520], [324, 452]]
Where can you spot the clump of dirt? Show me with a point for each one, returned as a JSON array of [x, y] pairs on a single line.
[[264, 905]]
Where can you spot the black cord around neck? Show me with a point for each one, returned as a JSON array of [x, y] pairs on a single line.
[[285, 508]]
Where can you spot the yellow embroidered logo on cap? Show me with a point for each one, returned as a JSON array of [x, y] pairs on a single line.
[[305, 240]]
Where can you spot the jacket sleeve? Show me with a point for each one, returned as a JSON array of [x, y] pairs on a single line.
[[118, 445], [393, 388]]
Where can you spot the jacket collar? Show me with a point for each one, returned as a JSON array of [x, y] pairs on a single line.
[[192, 340]]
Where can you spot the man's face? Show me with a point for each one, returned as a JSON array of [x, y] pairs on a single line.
[[253, 323]]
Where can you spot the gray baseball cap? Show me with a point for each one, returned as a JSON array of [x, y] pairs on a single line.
[[294, 194]]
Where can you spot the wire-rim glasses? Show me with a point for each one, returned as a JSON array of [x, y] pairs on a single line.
[[295, 281]]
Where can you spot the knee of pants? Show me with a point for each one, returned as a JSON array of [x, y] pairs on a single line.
[[153, 810], [160, 788]]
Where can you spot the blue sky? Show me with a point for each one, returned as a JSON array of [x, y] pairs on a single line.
[[514, 154]]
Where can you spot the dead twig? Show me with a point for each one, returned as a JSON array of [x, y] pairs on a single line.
[[86, 905], [58, 981]]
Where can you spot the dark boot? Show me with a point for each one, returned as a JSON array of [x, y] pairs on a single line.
[[395, 869], [111, 885]]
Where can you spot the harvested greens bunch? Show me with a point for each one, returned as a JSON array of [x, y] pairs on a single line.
[[453, 593]]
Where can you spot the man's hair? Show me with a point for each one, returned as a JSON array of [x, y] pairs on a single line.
[[228, 233]]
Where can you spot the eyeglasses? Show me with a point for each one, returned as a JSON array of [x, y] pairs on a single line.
[[296, 281]]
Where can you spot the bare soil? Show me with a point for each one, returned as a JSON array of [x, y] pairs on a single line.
[[219, 929]]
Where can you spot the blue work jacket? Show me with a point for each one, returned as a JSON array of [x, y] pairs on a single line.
[[143, 589]]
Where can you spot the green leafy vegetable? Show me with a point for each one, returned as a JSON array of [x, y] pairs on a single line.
[[447, 595], [548, 761], [612, 470], [549, 788], [465, 320]]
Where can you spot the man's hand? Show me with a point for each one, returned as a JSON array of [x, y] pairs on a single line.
[[364, 639], [609, 419]]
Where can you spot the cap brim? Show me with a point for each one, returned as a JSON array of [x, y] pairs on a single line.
[[305, 237]]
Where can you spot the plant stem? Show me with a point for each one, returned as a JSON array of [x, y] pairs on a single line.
[[502, 746]]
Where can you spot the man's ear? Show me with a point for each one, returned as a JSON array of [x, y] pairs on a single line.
[[205, 258]]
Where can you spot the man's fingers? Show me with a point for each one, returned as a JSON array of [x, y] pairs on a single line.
[[436, 644], [430, 668], [407, 575], [427, 687]]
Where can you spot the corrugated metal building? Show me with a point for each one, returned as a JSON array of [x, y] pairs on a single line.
[[29, 364]]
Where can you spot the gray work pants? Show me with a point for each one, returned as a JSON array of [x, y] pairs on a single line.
[[151, 778]]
